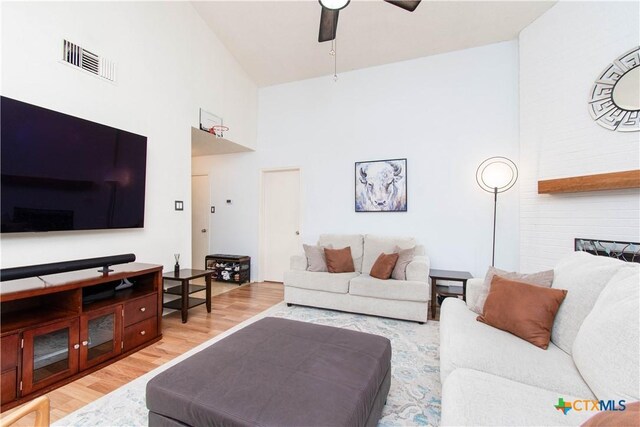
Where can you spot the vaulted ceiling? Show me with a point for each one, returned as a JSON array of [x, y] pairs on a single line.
[[277, 41]]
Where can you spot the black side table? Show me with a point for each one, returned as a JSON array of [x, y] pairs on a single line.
[[184, 289], [447, 291]]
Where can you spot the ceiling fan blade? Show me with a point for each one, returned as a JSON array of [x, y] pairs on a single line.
[[409, 5], [328, 24]]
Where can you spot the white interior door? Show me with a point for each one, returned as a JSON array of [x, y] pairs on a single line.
[[281, 221], [200, 202]]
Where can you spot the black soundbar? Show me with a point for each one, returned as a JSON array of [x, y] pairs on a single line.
[[14, 273]]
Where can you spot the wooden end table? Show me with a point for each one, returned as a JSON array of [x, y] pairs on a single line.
[[447, 291], [184, 289]]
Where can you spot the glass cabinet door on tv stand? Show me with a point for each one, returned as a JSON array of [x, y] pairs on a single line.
[[50, 354], [101, 335]]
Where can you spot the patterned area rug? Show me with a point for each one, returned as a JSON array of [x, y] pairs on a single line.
[[414, 398]]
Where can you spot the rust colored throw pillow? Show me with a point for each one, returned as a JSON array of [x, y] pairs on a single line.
[[527, 311], [629, 417], [542, 278], [339, 260], [383, 267]]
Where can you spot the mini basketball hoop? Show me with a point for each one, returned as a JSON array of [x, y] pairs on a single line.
[[212, 124], [218, 130]]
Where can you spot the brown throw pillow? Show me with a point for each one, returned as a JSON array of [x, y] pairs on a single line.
[[339, 260], [405, 256], [527, 311], [542, 278], [383, 266], [629, 417]]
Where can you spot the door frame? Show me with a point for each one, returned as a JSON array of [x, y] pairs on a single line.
[[261, 227], [208, 215]]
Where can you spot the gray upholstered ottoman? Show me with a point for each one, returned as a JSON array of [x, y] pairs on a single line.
[[277, 372]]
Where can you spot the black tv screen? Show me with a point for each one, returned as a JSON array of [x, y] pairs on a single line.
[[60, 172]]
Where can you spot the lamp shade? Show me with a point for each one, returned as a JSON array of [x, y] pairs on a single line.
[[496, 174], [334, 4]]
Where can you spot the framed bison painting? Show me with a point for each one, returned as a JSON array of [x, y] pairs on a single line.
[[381, 186]]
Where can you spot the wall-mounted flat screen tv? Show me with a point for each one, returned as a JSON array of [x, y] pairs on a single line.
[[60, 172]]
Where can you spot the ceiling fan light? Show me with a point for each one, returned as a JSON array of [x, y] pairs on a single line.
[[334, 4]]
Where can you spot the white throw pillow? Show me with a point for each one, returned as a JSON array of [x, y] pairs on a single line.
[[606, 349], [405, 256], [315, 258], [542, 278]]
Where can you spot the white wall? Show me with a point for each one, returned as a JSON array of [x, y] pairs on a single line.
[[444, 113], [561, 54], [169, 65]]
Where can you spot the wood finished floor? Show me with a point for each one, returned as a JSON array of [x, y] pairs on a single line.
[[228, 309]]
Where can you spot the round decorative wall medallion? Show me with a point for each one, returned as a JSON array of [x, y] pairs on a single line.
[[614, 102]]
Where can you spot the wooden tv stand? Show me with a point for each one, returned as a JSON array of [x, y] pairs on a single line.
[[58, 328]]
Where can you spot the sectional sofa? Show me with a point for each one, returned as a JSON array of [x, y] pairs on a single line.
[[358, 292], [491, 377]]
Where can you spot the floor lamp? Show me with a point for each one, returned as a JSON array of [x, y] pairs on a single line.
[[496, 175]]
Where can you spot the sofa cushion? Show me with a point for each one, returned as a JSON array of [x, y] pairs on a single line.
[[474, 398], [418, 269], [315, 258], [583, 275], [339, 260], [475, 291], [405, 256], [525, 310], [466, 343], [298, 262], [420, 251], [354, 241], [329, 282], [375, 245], [542, 278], [383, 266], [403, 290], [606, 347]]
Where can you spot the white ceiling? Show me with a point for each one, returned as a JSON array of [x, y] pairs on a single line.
[[277, 41]]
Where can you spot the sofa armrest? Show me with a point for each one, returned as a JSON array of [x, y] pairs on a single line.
[[475, 288], [298, 262], [418, 269]]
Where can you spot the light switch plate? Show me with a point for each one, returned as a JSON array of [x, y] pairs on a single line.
[[179, 205], [213, 209]]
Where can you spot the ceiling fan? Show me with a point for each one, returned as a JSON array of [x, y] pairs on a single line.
[[331, 8]]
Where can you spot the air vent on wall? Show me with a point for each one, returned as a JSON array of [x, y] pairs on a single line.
[[88, 61]]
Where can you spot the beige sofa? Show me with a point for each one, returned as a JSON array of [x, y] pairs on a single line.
[[491, 377], [358, 292]]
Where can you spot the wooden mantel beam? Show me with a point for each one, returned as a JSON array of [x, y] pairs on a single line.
[[603, 181]]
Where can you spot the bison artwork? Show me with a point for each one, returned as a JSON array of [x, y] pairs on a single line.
[[381, 186]]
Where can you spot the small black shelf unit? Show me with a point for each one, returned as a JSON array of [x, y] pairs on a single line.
[[176, 304], [229, 268]]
